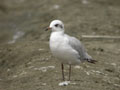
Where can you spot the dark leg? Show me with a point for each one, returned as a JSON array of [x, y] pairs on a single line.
[[62, 66], [69, 71]]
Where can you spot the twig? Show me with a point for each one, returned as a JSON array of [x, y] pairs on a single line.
[[99, 37]]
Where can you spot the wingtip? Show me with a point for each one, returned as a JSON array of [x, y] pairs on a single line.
[[91, 61]]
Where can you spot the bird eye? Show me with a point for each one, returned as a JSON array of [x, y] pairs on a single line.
[[56, 25]]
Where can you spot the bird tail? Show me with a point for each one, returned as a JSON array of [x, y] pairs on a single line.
[[91, 61]]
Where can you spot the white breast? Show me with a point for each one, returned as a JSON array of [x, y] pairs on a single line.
[[60, 48]]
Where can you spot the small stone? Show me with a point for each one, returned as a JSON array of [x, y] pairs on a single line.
[[65, 83]]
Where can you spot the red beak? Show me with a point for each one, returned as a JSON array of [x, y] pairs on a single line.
[[48, 28]]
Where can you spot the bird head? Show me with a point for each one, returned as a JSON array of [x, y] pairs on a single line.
[[56, 25]]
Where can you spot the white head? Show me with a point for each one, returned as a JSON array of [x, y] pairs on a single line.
[[56, 25]]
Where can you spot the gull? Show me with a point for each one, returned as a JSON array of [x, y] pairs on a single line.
[[69, 50]]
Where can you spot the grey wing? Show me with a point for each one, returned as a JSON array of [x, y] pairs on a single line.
[[76, 44]]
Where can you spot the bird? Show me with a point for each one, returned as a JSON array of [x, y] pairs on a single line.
[[67, 49]]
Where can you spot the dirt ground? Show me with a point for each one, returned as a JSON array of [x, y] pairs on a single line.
[[26, 62]]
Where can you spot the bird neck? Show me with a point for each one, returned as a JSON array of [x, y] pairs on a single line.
[[58, 32]]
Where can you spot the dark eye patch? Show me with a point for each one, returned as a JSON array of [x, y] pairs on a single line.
[[56, 25], [61, 26]]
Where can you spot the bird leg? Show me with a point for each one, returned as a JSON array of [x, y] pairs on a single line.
[[62, 66], [69, 71]]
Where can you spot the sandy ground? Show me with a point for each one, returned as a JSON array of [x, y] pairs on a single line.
[[25, 59]]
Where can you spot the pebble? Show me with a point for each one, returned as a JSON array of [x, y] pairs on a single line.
[[65, 83]]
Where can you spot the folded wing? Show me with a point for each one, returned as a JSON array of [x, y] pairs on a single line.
[[77, 45]]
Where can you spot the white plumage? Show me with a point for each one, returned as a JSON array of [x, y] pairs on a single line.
[[67, 49]]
